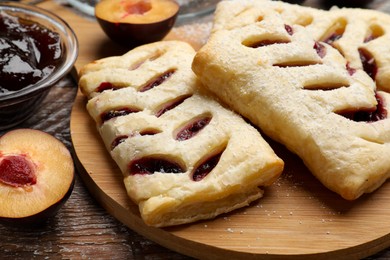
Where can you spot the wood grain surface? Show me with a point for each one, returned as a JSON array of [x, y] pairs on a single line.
[[83, 229]]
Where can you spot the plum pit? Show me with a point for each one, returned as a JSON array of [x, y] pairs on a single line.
[[139, 8], [17, 171]]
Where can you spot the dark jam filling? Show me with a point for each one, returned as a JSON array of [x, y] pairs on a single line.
[[368, 62], [289, 29], [118, 141], [29, 52], [150, 165], [206, 167], [170, 105], [116, 113], [369, 38], [320, 49], [192, 129], [350, 70], [106, 86], [266, 43], [333, 37], [158, 81], [378, 114]]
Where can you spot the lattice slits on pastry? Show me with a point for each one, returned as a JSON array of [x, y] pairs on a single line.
[[362, 36], [183, 156], [292, 74]]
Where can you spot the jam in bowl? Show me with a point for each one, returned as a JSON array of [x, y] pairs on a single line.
[[37, 49]]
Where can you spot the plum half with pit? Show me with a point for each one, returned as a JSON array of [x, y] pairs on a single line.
[[36, 176], [135, 22]]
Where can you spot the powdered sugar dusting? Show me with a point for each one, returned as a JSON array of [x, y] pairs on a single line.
[[195, 34]]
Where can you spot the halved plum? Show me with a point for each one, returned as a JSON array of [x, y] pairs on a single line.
[[36, 176], [136, 22]]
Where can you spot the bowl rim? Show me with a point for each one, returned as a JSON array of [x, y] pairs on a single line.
[[70, 43]]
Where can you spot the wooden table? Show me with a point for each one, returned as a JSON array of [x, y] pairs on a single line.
[[83, 229]]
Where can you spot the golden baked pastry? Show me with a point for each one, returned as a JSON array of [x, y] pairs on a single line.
[[362, 36], [183, 156], [300, 91]]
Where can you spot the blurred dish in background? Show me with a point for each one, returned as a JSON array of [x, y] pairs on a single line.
[[84, 6], [193, 8]]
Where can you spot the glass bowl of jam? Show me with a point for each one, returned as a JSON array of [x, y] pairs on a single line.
[[37, 49]]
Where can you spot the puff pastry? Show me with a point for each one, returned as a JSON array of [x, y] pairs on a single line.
[[362, 36], [271, 62], [183, 156]]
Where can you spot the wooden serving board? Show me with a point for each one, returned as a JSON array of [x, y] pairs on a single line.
[[297, 216]]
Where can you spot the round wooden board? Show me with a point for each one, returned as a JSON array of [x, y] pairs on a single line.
[[297, 216]]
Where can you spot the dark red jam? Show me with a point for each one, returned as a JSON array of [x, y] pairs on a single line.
[[320, 49], [170, 105], [192, 128], [368, 62], [29, 52], [379, 113], [157, 81], [332, 38], [118, 141], [206, 167], [106, 86], [289, 29], [350, 70], [369, 38], [150, 165], [116, 113], [266, 43]]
